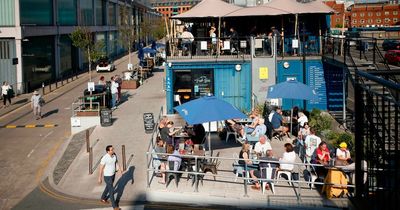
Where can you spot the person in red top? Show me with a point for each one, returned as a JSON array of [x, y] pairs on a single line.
[[323, 155]]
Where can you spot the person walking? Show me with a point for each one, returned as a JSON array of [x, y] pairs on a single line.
[[5, 91], [114, 93], [36, 104], [108, 166]]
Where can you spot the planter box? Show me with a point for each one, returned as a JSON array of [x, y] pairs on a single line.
[[88, 113], [130, 84]]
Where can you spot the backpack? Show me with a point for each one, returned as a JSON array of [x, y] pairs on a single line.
[[41, 101]]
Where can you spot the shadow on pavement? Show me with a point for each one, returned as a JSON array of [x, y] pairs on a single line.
[[21, 101], [54, 111], [121, 183]]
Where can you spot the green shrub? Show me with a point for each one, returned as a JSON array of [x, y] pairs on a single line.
[[320, 121]]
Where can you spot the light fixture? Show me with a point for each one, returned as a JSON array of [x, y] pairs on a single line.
[[170, 64], [286, 65], [238, 67]]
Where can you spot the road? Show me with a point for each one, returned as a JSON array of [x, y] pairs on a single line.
[[27, 152]]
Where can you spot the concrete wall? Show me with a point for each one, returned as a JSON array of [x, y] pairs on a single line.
[[260, 86], [79, 124]]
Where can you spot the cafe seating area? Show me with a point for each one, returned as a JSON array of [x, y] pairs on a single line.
[[206, 173]]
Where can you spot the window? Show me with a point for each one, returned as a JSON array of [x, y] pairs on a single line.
[[354, 21], [378, 21], [370, 21], [386, 13], [362, 21], [395, 12], [394, 20], [337, 20], [39, 12], [369, 14], [66, 12], [378, 14], [387, 20], [362, 14], [354, 14]]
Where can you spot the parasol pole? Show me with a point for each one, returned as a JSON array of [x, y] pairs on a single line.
[[209, 137], [219, 35], [291, 118]]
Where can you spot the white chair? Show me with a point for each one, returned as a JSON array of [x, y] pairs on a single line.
[[268, 175], [287, 173]]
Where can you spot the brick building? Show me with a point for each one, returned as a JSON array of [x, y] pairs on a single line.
[[365, 14], [170, 8]]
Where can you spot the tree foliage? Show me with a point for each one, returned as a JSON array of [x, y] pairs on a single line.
[[82, 38], [126, 30]]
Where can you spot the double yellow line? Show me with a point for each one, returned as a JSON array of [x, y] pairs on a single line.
[[30, 126]]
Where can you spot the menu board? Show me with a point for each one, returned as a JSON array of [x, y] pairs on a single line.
[[148, 120], [317, 82], [203, 84]]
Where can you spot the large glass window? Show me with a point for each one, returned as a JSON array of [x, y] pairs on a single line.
[[38, 60], [86, 13], [100, 13], [66, 12], [112, 14], [65, 55], [112, 41], [36, 12]]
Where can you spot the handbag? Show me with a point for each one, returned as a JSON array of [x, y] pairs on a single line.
[[41, 101], [10, 92]]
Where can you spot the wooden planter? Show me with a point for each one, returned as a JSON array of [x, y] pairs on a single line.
[[130, 84], [88, 113]]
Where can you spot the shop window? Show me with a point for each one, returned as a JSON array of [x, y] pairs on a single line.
[[4, 50]]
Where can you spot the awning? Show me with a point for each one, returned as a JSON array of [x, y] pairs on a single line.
[[208, 8]]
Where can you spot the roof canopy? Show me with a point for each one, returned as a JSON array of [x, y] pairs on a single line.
[[218, 8], [208, 8]]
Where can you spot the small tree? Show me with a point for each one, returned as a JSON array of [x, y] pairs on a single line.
[[126, 32], [82, 38]]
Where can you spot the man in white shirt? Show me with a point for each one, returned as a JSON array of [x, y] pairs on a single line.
[[108, 166], [262, 145], [311, 143], [114, 92]]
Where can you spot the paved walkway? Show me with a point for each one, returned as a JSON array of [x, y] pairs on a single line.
[[128, 130]]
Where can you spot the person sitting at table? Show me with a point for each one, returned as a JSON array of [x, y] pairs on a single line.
[[235, 126], [248, 129], [323, 155], [160, 148], [188, 145], [167, 132], [289, 156], [260, 129], [302, 119], [277, 123], [262, 146], [269, 156], [174, 157], [245, 154], [301, 136], [343, 156], [163, 123]]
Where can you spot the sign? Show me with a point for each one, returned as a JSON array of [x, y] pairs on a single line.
[[15, 61], [203, 45], [90, 86], [295, 43], [263, 71], [75, 122], [148, 120]]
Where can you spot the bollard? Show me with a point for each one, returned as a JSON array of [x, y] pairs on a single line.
[[87, 141], [123, 158], [90, 161], [62, 81], [43, 88], [56, 83], [50, 86]]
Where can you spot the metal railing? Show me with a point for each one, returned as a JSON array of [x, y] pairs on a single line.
[[206, 47], [80, 108], [298, 168]]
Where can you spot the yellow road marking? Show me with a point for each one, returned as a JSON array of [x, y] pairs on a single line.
[[30, 126], [49, 125], [11, 126]]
